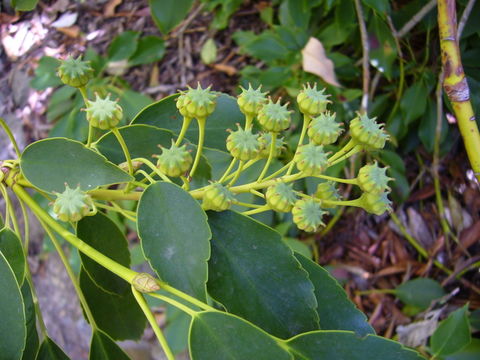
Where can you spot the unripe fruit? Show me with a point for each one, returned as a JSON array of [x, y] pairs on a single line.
[[311, 101], [72, 204], [373, 179], [251, 100], [266, 142], [103, 113], [274, 117], [307, 215], [243, 145], [75, 72], [217, 197], [311, 159], [327, 191], [175, 161], [324, 130], [375, 203], [280, 197], [197, 103], [366, 131]]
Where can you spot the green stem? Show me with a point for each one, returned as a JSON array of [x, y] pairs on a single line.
[[10, 211], [153, 168], [247, 165], [70, 273], [153, 323], [146, 175], [348, 146], [186, 297], [306, 121], [126, 213], [237, 174], [201, 139], [3, 190], [186, 183], [353, 151], [83, 91], [333, 221], [183, 131], [125, 150], [270, 156], [36, 304], [175, 303], [256, 206], [227, 172], [248, 122], [9, 133], [257, 211], [279, 171], [340, 180]]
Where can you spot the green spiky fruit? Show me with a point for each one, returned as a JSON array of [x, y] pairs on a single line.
[[217, 197], [375, 203], [243, 145], [367, 132], [175, 161], [307, 215], [324, 130], [103, 113], [265, 144], [311, 101], [75, 72], [373, 179], [311, 159], [197, 103], [280, 197], [72, 204], [327, 191], [274, 117], [251, 100]]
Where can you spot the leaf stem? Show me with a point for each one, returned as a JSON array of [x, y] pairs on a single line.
[[185, 296], [175, 303]]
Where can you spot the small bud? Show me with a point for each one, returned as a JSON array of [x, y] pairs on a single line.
[[274, 117], [311, 159], [373, 179], [75, 72], [251, 100], [280, 197], [217, 197], [145, 283], [72, 204], [243, 145], [367, 132], [197, 103], [265, 143], [103, 113], [324, 130], [311, 101], [307, 215], [175, 161]]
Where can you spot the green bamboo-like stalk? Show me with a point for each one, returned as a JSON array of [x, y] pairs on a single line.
[[455, 82]]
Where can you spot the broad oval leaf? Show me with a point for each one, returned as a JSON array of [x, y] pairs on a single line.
[[336, 311], [119, 316], [11, 247], [346, 345], [175, 237], [49, 164], [32, 341], [452, 334], [254, 274], [164, 114], [101, 233], [12, 314], [419, 292], [50, 351], [103, 347], [169, 13], [216, 335]]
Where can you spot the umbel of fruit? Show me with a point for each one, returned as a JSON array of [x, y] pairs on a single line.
[[251, 100], [373, 179], [311, 101], [280, 197], [324, 130], [274, 117], [307, 215], [266, 142], [311, 159], [196, 103], [174, 161], [243, 145], [103, 113], [217, 197], [75, 72], [72, 204], [367, 132]]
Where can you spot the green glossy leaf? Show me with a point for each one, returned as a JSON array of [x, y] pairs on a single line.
[[177, 329], [298, 246], [345, 345], [164, 114], [380, 6], [216, 335], [103, 347], [419, 292], [101, 233], [150, 49], [169, 13], [469, 352], [175, 237], [50, 351], [119, 316], [123, 46], [254, 274], [11, 247], [12, 314], [32, 342], [24, 5], [49, 164], [414, 102], [267, 46], [131, 102], [452, 334], [46, 73], [336, 311]]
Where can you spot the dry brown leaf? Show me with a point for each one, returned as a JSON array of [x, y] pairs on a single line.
[[229, 70], [109, 9], [315, 61], [71, 31]]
